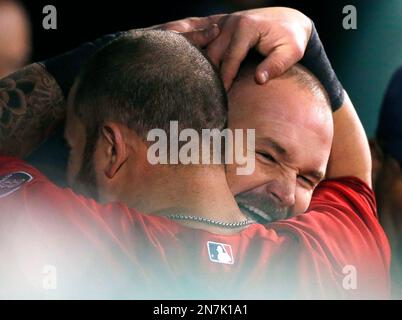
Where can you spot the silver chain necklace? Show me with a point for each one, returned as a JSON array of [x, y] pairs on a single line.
[[222, 224]]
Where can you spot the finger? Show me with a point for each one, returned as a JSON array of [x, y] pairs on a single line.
[[202, 38], [278, 61], [237, 50], [217, 47], [203, 22], [190, 24], [185, 25], [217, 18]]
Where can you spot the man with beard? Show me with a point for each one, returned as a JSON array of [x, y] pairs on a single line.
[[175, 259], [116, 101]]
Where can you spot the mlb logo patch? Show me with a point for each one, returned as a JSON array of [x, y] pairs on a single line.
[[220, 252]]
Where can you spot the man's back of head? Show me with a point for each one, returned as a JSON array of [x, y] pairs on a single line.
[[147, 79], [141, 82]]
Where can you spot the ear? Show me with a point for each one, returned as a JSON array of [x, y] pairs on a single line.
[[116, 148]]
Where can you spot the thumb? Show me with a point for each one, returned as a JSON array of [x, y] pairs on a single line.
[[202, 38], [279, 60]]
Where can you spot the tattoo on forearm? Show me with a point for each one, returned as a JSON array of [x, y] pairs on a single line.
[[31, 105]]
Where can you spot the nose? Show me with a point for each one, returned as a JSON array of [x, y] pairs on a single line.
[[282, 191]]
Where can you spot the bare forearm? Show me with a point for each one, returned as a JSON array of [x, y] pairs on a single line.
[[31, 105], [350, 155]]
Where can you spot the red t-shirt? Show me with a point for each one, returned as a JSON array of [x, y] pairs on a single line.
[[337, 249]]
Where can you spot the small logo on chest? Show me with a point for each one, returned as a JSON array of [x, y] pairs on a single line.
[[220, 252]]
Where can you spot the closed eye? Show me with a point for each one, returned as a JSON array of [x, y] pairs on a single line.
[[267, 156], [306, 181]]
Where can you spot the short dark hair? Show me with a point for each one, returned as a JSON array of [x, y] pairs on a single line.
[[145, 79], [300, 74]]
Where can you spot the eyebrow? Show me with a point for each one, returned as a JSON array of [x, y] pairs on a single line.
[[276, 146]]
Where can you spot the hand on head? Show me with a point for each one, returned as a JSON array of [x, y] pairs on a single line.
[[280, 34]]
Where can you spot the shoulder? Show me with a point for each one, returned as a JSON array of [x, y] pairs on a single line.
[[25, 193], [345, 194], [341, 222], [337, 206]]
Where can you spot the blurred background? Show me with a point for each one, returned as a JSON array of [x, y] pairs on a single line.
[[364, 59]]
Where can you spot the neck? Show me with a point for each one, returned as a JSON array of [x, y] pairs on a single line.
[[197, 191]]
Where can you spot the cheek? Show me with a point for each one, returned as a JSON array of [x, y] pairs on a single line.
[[75, 163], [303, 199], [99, 164]]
